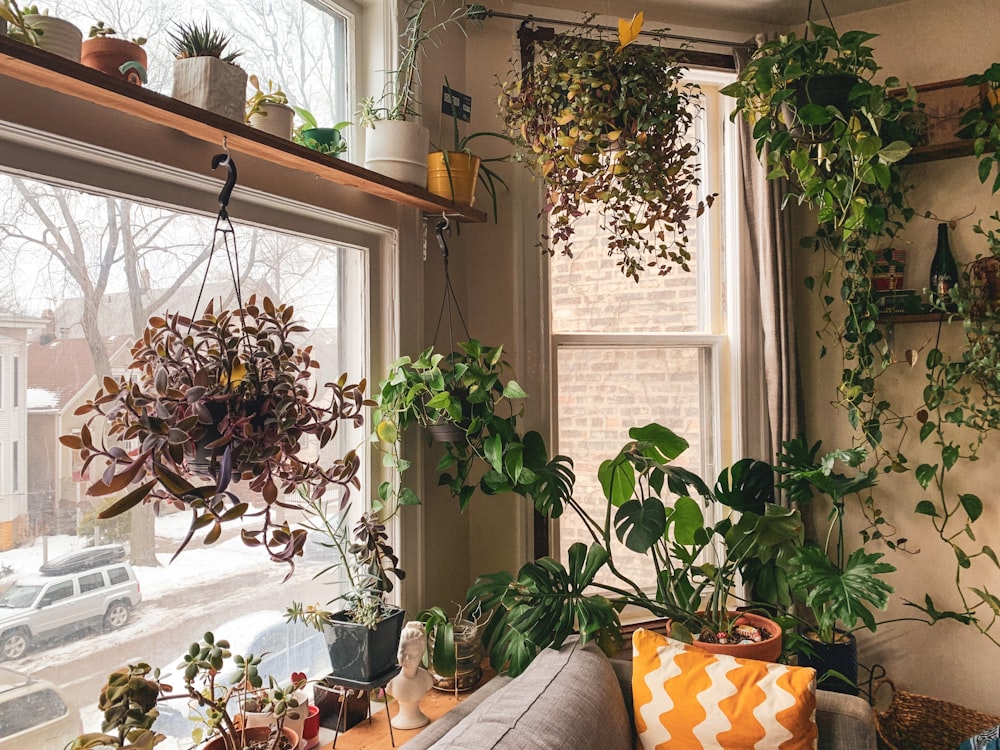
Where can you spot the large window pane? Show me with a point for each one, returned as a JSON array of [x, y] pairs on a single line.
[[81, 273]]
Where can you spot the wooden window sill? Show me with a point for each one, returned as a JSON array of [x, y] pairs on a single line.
[[48, 74]]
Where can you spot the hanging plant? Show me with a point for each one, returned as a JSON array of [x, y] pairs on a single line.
[[229, 396], [607, 128], [982, 124]]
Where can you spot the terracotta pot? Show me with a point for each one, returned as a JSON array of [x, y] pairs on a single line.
[[251, 735], [109, 55], [455, 180], [768, 650]]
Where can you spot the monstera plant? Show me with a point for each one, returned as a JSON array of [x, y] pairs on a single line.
[[226, 397]]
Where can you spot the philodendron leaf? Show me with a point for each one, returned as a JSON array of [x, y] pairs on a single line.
[[617, 477], [513, 390], [659, 443], [686, 518]]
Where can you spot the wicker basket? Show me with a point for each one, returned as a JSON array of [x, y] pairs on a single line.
[[917, 722]]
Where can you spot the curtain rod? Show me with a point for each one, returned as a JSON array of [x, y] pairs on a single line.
[[490, 13]]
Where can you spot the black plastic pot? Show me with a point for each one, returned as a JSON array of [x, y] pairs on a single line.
[[824, 91], [831, 660], [360, 654]]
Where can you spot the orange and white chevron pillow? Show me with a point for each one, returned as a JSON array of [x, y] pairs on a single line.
[[688, 699]]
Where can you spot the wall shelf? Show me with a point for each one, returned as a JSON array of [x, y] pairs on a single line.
[[45, 72]]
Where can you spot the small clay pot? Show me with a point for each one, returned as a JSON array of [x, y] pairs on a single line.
[[110, 55]]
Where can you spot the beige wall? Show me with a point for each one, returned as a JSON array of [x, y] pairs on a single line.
[[922, 42]]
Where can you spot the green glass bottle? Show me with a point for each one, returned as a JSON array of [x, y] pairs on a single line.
[[944, 270]]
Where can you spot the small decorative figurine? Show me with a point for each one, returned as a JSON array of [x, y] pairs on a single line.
[[413, 682]]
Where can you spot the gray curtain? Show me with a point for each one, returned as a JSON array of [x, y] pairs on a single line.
[[769, 366]]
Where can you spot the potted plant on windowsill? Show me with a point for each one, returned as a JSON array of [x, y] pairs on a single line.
[[130, 696], [123, 58], [269, 110], [454, 649], [607, 128], [234, 387], [39, 29], [455, 173], [395, 145], [696, 563], [362, 629], [325, 140], [205, 75]]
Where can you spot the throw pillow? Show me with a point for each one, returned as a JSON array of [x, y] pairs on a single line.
[[688, 699], [988, 740]]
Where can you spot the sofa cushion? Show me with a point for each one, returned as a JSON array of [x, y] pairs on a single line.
[[689, 699], [565, 699]]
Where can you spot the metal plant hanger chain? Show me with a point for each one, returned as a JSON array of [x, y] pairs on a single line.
[[449, 301], [809, 15], [224, 230]]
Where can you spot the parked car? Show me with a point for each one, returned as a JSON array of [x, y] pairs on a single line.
[[286, 647], [33, 714], [47, 607]]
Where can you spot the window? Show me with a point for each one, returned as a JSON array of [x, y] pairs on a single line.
[[117, 575], [333, 256], [15, 481], [627, 354], [91, 582], [57, 592], [16, 383]]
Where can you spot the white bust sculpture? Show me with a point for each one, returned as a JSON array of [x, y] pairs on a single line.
[[413, 682]]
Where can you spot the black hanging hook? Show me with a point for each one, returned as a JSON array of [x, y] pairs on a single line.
[[227, 190], [439, 231]]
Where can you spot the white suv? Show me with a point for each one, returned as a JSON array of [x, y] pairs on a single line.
[[47, 607]]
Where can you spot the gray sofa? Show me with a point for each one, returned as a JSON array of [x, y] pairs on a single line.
[[576, 698]]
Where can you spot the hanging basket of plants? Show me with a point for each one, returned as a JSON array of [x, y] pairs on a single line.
[[229, 396], [607, 126]]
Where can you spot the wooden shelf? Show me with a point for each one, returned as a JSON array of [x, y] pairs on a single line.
[[44, 70], [929, 317]]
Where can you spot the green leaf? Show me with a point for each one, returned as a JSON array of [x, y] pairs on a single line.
[[659, 443], [973, 506], [925, 474], [926, 508], [895, 151], [513, 390], [685, 519], [617, 479], [640, 525]]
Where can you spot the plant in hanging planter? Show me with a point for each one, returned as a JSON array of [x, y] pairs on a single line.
[[325, 140], [118, 57], [652, 509], [608, 129], [205, 74], [471, 395], [845, 166], [229, 395], [982, 123]]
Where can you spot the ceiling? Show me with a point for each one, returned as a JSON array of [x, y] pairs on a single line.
[[747, 16]]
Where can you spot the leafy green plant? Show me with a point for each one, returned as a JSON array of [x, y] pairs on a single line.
[[228, 395], [102, 31], [273, 95], [982, 124], [607, 128], [656, 509], [838, 587], [443, 632], [128, 703], [398, 100], [18, 28], [189, 39], [334, 145], [472, 389]]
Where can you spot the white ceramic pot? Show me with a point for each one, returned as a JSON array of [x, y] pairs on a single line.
[[275, 119], [57, 36], [211, 84], [398, 149]]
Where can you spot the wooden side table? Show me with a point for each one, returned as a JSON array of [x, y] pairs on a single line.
[[374, 735]]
